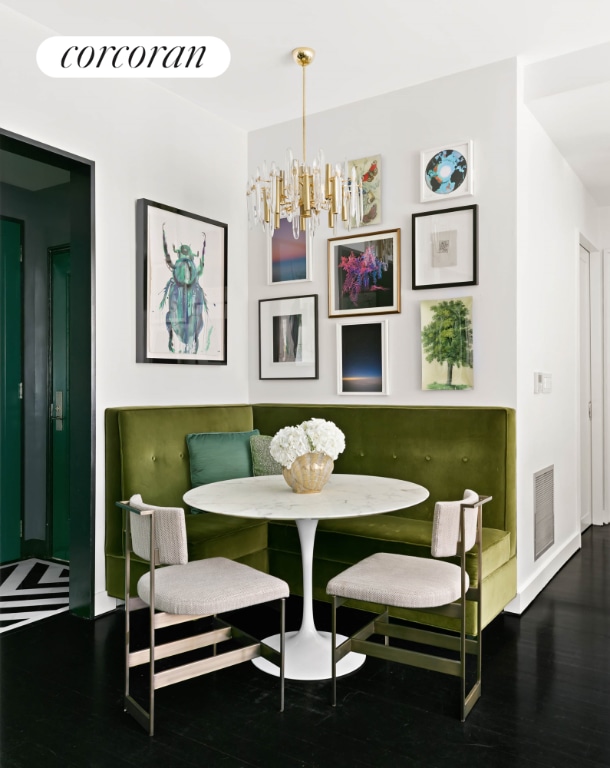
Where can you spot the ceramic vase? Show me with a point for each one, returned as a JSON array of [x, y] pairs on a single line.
[[309, 473]]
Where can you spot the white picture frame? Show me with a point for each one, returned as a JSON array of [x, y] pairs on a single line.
[[446, 171], [288, 337], [362, 357]]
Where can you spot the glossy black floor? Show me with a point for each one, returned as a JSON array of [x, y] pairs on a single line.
[[546, 697]]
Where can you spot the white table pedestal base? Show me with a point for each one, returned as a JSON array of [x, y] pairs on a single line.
[[308, 652], [308, 656]]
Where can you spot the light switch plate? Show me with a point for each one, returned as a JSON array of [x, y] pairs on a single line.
[[543, 383]]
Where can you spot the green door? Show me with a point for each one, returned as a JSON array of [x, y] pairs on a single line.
[[59, 268], [11, 238]]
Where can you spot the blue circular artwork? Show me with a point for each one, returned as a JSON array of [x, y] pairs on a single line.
[[446, 171]]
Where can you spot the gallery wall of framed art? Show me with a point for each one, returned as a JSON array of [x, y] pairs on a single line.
[[363, 272], [441, 241]]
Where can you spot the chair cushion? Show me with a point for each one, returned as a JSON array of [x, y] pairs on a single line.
[[399, 580], [216, 456], [263, 462], [207, 587]]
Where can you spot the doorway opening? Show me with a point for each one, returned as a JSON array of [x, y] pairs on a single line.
[[51, 192]]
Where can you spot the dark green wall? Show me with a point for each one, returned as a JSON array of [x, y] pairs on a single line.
[[11, 486], [47, 222]]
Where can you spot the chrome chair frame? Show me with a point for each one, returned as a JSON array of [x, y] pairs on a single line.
[[360, 643], [249, 647]]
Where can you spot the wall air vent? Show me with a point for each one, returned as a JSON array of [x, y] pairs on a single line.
[[544, 510]]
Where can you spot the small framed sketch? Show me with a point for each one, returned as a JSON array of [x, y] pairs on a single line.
[[181, 281], [368, 170], [288, 258], [362, 358], [447, 360], [445, 250], [364, 274], [446, 171], [288, 338]]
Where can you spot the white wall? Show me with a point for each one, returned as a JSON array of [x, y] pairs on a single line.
[[148, 143], [554, 211], [604, 227], [479, 105]]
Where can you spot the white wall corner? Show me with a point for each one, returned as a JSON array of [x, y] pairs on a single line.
[[534, 586], [104, 603]]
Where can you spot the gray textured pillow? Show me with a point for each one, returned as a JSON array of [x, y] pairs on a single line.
[[263, 462]]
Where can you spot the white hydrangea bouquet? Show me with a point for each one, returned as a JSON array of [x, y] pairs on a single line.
[[313, 436], [307, 453]]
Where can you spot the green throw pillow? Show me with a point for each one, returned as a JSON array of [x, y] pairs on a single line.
[[216, 456], [263, 462]]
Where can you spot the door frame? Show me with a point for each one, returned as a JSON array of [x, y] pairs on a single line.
[[584, 401], [52, 251], [82, 360], [599, 510], [598, 298]]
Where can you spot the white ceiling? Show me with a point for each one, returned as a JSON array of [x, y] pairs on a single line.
[[366, 48]]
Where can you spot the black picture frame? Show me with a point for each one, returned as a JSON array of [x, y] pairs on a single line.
[[445, 248], [181, 316], [288, 337]]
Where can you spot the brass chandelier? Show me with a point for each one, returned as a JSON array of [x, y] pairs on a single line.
[[302, 193]]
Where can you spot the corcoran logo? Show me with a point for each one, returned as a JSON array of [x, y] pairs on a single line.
[[98, 56]]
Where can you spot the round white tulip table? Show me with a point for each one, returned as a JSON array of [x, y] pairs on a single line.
[[308, 651]]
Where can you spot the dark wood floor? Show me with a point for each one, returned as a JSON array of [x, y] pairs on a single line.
[[546, 698]]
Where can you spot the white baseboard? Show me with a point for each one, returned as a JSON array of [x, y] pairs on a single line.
[[104, 603], [541, 578]]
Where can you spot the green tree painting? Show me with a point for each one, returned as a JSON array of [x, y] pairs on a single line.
[[447, 341]]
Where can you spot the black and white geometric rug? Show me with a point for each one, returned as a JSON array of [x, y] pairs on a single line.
[[30, 590]]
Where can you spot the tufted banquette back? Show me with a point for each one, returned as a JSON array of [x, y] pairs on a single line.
[[146, 453], [445, 449]]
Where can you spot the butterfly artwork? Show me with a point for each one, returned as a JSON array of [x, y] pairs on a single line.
[[368, 170]]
